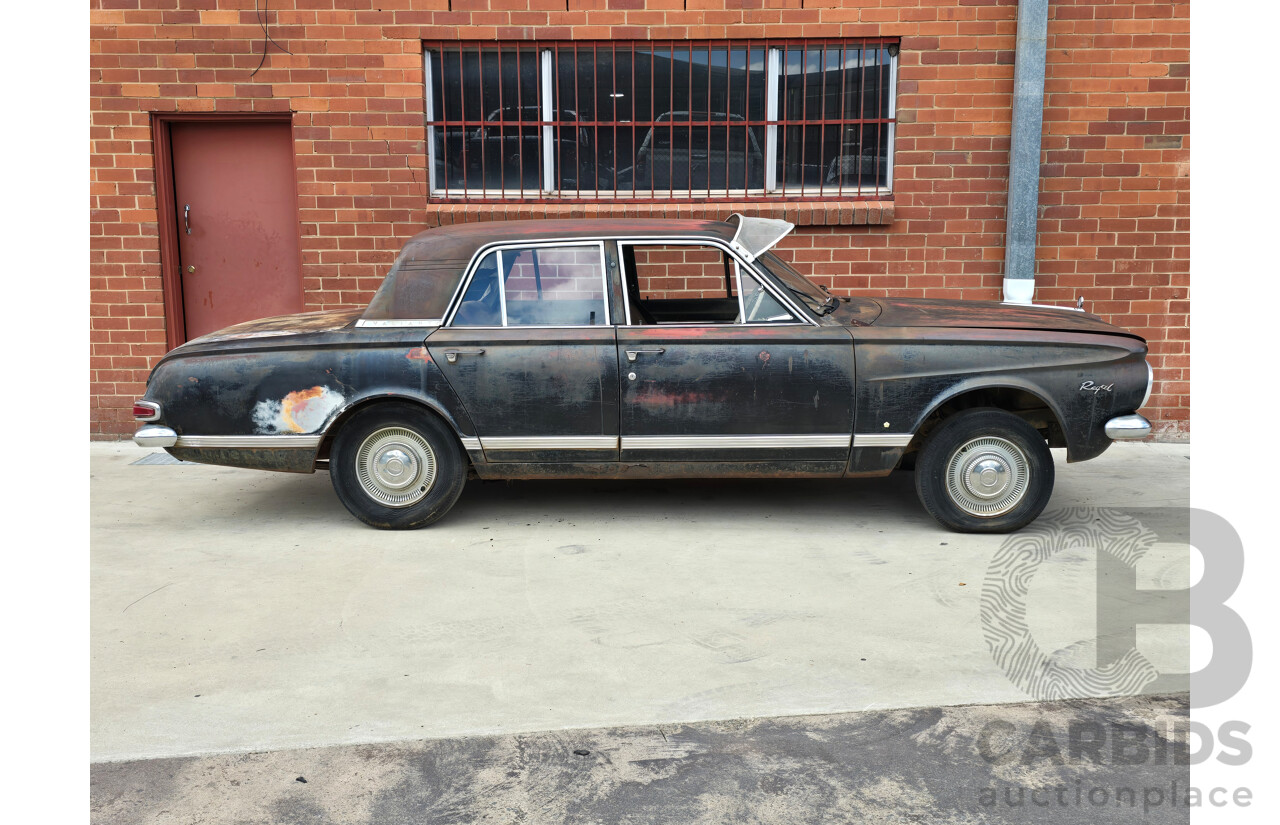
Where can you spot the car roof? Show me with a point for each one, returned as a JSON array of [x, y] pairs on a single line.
[[459, 242], [431, 265]]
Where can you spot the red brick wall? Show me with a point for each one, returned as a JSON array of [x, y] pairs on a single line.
[[1114, 191]]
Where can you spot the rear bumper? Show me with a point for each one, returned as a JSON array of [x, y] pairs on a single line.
[[155, 436], [1128, 427]]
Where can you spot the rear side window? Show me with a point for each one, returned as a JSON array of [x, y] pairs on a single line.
[[553, 286]]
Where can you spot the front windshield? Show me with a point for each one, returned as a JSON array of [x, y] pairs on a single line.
[[814, 296]]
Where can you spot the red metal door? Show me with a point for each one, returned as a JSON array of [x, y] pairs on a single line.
[[237, 223]]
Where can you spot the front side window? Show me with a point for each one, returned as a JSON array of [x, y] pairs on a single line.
[[554, 286], [700, 284], [654, 121]]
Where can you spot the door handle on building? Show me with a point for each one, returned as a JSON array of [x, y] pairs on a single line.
[[186, 217]]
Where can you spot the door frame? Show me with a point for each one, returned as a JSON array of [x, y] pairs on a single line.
[[175, 327]]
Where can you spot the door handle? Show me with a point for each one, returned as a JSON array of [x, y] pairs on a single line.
[[451, 355], [632, 353], [186, 217]]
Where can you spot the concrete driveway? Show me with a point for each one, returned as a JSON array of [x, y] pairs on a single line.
[[238, 611]]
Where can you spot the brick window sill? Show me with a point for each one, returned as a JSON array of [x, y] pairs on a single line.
[[805, 213]]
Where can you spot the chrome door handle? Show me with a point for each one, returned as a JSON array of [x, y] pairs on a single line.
[[632, 353], [451, 355], [186, 217]]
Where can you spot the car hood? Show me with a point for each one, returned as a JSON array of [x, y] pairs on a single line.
[[301, 323], [924, 312]]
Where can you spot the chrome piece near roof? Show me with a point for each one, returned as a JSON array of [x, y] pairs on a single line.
[[1077, 308], [398, 322], [756, 236]]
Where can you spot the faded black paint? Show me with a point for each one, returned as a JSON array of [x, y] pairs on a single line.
[[867, 364]]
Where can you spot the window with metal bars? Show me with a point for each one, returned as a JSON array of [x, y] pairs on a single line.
[[644, 121]]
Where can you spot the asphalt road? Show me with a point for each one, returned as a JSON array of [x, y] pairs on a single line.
[[977, 764]]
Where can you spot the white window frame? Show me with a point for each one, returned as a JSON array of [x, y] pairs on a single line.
[[546, 106]]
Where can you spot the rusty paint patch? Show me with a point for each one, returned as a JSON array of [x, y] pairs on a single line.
[[302, 411], [419, 354], [764, 357]]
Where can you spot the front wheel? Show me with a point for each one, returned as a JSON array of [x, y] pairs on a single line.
[[984, 471], [397, 467]]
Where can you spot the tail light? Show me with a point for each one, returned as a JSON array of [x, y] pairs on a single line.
[[146, 410]]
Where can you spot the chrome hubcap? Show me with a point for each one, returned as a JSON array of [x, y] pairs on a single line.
[[396, 467], [987, 476]]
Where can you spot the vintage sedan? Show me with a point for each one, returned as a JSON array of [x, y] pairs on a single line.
[[536, 349]]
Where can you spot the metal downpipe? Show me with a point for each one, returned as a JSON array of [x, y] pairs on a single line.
[[1024, 152]]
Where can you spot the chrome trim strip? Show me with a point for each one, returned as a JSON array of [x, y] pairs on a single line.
[[1127, 427], [251, 442], [1151, 382], [154, 436], [382, 323], [882, 439], [551, 442], [1043, 306], [727, 442], [151, 405], [469, 442]]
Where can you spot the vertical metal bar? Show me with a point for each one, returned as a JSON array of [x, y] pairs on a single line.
[[577, 95], [688, 180], [484, 143], [595, 115], [862, 109], [746, 138], [893, 118], [671, 121], [502, 288], [785, 114], [822, 117], [709, 122], [653, 125], [879, 86], [595, 168], [548, 114], [502, 129], [771, 116], [728, 109], [558, 150], [519, 116], [844, 127], [429, 110], [804, 109], [462, 100], [537, 271], [634, 114]]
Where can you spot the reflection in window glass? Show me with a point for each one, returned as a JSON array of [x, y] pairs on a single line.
[[554, 286], [482, 304]]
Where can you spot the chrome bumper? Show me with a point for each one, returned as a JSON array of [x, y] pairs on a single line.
[[155, 436], [1127, 427]]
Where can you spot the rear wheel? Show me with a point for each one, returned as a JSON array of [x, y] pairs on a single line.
[[397, 467], [984, 471]]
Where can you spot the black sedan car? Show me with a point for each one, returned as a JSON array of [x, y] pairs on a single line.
[[535, 349]]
